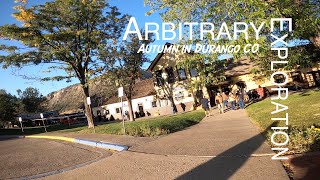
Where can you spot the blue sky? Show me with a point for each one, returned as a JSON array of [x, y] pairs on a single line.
[[12, 79]]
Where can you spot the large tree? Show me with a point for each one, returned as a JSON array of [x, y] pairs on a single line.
[[8, 106], [31, 100], [80, 37], [128, 68], [304, 13]]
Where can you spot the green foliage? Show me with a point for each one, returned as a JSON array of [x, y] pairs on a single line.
[[31, 100], [305, 16], [303, 112], [80, 37], [8, 104], [129, 65], [152, 127]]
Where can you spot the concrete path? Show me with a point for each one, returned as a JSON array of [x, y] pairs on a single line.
[[223, 146]]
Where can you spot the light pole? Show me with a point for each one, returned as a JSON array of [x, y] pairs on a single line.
[[44, 125], [120, 94], [20, 120]]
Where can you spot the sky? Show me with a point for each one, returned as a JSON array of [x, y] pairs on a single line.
[[12, 78]]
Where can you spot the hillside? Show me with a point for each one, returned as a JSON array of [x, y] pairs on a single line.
[[70, 99]]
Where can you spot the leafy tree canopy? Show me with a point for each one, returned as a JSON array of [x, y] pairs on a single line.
[[8, 104], [304, 13], [79, 37]]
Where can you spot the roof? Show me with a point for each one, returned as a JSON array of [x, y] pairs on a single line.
[[240, 67], [156, 59], [142, 88]]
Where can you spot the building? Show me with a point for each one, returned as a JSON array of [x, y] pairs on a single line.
[[144, 100], [238, 75], [153, 94]]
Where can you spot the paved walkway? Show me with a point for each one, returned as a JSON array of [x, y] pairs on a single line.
[[223, 146]]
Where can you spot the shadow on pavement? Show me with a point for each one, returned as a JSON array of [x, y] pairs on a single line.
[[228, 162], [307, 166]]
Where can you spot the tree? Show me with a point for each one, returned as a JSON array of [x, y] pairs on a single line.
[[8, 105], [304, 13], [31, 100], [129, 67], [71, 35]]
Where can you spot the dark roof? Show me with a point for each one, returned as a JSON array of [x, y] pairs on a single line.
[[142, 88], [239, 67]]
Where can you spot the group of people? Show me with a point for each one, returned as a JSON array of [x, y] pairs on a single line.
[[226, 101], [230, 100]]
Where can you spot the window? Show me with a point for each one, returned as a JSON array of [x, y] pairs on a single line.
[[169, 71], [182, 74], [159, 78], [193, 72], [279, 78], [296, 76], [118, 110], [154, 104]]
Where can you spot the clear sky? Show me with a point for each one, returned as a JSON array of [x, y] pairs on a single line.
[[12, 79]]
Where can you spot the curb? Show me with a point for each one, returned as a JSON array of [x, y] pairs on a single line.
[[99, 144]]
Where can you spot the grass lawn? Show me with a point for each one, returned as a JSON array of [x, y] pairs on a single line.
[[38, 130], [304, 110], [153, 127], [303, 113]]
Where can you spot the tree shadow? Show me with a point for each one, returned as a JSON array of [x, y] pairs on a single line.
[[224, 165], [308, 165]]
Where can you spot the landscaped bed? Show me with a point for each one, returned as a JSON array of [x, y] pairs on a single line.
[[304, 119], [148, 127]]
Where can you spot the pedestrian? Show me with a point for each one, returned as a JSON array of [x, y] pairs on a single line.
[[205, 105], [225, 100], [241, 99], [219, 102], [183, 106], [137, 114], [232, 100]]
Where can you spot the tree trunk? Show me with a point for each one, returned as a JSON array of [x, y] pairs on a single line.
[[174, 107], [131, 117], [88, 109]]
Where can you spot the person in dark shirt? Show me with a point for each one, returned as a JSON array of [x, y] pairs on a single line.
[[183, 106], [205, 105]]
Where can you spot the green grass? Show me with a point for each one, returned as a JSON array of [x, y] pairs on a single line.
[[153, 127], [304, 119], [148, 127], [38, 130], [304, 110]]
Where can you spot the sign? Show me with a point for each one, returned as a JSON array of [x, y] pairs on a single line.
[[20, 119], [41, 115], [88, 101], [120, 92]]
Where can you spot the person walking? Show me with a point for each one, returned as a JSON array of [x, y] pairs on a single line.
[[205, 106], [219, 102], [232, 100], [225, 100], [241, 99]]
